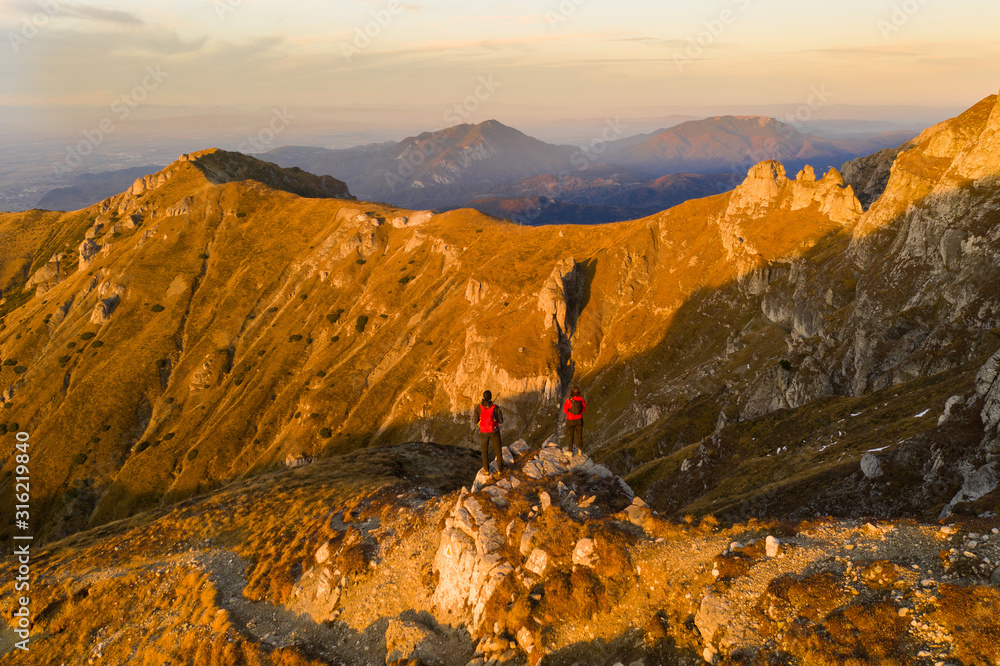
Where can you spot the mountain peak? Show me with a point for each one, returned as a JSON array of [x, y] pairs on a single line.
[[222, 166]]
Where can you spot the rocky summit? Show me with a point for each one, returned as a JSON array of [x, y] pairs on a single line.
[[249, 398]]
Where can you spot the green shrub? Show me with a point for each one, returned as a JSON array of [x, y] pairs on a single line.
[[334, 317], [261, 352], [362, 322], [294, 338], [97, 344], [70, 345], [203, 256], [192, 454], [272, 309], [335, 338], [3, 428], [157, 308], [384, 316], [10, 361], [404, 279], [88, 335], [141, 446], [785, 364], [162, 363], [64, 359], [95, 440], [361, 262], [105, 428], [303, 296], [170, 400], [241, 214], [20, 369], [325, 433], [321, 373], [169, 436], [79, 458]]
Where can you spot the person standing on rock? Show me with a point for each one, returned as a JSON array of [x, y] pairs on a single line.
[[574, 407], [489, 417]]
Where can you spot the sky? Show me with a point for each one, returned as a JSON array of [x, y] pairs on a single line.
[[581, 57]]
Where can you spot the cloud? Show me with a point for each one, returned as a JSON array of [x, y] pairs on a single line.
[[90, 12]]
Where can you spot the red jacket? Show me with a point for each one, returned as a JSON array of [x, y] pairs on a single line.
[[566, 406]]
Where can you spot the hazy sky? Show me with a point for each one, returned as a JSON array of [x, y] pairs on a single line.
[[587, 55]]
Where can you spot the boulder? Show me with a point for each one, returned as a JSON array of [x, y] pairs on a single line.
[[88, 250], [870, 466], [104, 309], [584, 554], [537, 562]]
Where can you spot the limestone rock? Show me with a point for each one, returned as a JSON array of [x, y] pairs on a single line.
[[104, 309], [88, 250], [537, 562], [988, 388], [771, 546], [560, 299], [48, 275], [584, 554], [870, 466], [296, 460]]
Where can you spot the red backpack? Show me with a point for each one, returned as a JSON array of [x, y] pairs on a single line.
[[487, 419]]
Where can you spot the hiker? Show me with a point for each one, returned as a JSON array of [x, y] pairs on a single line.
[[489, 417], [574, 407]]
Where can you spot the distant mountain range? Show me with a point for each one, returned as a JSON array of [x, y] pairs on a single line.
[[504, 172], [499, 169]]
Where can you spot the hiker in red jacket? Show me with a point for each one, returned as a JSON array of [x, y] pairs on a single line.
[[489, 418], [574, 407]]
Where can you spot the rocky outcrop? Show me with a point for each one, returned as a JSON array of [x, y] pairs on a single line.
[[767, 189], [88, 250], [505, 539], [48, 275], [104, 309], [560, 298]]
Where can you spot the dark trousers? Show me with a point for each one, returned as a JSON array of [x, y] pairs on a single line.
[[574, 431], [486, 437]]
